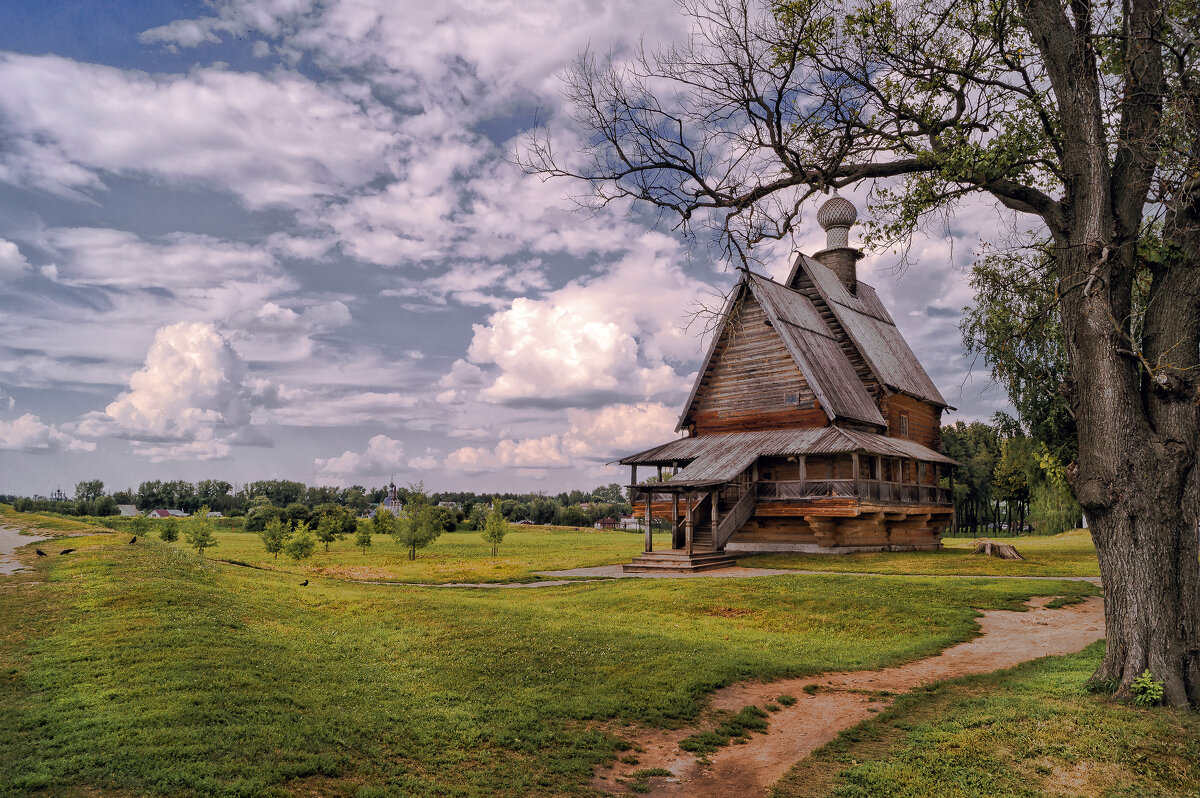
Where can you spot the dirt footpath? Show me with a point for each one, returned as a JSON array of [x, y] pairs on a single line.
[[1006, 639]]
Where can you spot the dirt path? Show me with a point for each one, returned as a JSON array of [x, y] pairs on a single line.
[[1006, 639], [11, 539]]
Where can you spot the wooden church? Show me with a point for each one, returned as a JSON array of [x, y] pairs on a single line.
[[811, 427]]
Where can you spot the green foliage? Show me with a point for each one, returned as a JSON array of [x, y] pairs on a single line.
[[477, 517], [445, 518], [297, 513], [1147, 691], [495, 528], [1015, 326], [419, 524], [138, 524], [786, 700], [275, 536], [333, 523], [573, 516], [168, 530], [89, 490], [362, 536], [260, 514], [383, 523], [302, 543], [1053, 508], [199, 531]]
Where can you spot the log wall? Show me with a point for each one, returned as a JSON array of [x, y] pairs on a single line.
[[924, 420], [751, 378]]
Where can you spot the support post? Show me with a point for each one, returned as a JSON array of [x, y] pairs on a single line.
[[716, 513], [649, 527], [674, 518], [689, 527], [854, 462], [660, 473]]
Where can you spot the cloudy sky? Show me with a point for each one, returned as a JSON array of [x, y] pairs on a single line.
[[254, 239]]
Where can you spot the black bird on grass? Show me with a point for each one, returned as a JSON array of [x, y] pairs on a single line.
[[65, 551], [304, 583], [40, 553], [134, 540]]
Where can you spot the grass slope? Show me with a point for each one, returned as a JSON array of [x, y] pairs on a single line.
[[145, 670], [1068, 554], [1029, 731]]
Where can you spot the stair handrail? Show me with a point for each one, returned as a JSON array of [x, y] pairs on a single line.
[[739, 514]]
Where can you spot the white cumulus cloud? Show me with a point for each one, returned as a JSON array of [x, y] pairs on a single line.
[[28, 434], [591, 436], [12, 262], [613, 333], [383, 455], [191, 391]]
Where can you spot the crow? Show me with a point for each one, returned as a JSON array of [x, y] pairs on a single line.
[[134, 540], [40, 553], [65, 551], [304, 583]]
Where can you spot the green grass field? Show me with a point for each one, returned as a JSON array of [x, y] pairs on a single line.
[[1030, 731], [135, 670], [1068, 554], [453, 557]]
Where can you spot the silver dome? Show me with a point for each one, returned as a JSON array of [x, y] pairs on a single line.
[[837, 212]]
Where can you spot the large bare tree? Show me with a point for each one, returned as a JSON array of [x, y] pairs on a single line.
[[1081, 115]]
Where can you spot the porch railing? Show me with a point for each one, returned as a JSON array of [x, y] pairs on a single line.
[[870, 490]]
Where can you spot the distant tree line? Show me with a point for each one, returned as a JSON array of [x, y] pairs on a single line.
[[1007, 480], [294, 503]]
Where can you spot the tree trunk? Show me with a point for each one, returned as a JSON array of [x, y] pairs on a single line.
[[1137, 481], [1148, 558]]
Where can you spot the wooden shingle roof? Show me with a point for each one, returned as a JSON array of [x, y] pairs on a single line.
[[872, 330], [717, 458]]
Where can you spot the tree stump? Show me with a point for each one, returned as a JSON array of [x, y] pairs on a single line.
[[993, 549]]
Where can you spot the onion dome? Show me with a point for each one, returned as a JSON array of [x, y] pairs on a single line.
[[835, 217]]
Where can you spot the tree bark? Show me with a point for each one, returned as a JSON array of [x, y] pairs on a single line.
[[1136, 482]]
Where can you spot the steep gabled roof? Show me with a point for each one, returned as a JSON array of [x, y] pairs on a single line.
[[812, 346], [871, 329]]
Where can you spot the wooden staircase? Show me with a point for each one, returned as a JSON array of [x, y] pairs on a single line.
[[735, 503], [679, 561]]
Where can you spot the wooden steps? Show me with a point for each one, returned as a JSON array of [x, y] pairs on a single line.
[[679, 561]]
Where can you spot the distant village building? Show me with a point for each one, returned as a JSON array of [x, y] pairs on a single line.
[[390, 502], [811, 426], [607, 523], [127, 510], [160, 513], [58, 495]]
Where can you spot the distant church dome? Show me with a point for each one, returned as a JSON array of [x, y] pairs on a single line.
[[835, 217]]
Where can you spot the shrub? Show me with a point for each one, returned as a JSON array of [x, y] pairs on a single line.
[[1147, 691], [302, 543], [170, 530]]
